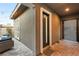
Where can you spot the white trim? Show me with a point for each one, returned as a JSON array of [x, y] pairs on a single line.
[[50, 29], [41, 31]]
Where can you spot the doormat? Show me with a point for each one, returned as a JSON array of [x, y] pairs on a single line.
[[48, 51]]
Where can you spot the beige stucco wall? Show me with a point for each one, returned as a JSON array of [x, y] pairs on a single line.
[[25, 28], [17, 28]]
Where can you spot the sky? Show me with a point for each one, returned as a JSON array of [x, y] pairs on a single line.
[[5, 12]]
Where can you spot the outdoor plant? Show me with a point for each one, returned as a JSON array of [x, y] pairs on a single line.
[[9, 31]]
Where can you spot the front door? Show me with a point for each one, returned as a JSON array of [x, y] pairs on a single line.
[[45, 29], [70, 30]]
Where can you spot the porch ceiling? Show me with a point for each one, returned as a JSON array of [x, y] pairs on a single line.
[[60, 8]]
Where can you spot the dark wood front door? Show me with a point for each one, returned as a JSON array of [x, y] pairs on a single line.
[[77, 30], [45, 29]]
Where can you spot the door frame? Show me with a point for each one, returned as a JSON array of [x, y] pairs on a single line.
[[41, 28]]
